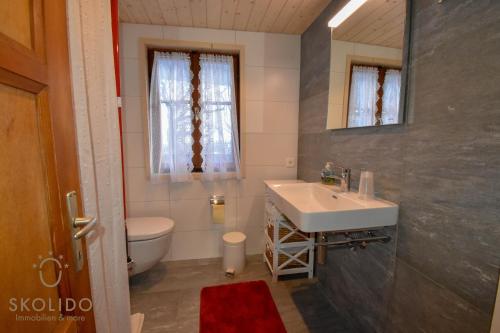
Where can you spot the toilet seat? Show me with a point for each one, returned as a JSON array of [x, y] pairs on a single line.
[[147, 228]]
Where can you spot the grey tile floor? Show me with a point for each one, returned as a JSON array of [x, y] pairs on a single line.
[[169, 296]]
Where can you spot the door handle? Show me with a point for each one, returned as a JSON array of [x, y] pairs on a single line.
[[79, 226], [88, 223], [83, 221]]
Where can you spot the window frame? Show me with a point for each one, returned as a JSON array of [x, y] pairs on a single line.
[[382, 69], [194, 55]]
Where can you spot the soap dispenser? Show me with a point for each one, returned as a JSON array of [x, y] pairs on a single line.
[[327, 174]]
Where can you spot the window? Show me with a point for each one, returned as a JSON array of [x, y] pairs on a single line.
[[373, 96], [193, 114]]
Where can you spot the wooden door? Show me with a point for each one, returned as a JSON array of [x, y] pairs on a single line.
[[40, 287]]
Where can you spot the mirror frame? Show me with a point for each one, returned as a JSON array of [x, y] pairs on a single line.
[[406, 65]]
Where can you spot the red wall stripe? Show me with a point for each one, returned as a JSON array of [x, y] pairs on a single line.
[[116, 57]]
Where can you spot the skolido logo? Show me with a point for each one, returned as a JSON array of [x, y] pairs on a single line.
[[57, 264], [41, 309]]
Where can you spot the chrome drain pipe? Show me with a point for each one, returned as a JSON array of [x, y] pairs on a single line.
[[321, 239]]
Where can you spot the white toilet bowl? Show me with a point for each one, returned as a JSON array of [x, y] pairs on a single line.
[[148, 241]]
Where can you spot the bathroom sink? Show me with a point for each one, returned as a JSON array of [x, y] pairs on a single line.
[[315, 207]]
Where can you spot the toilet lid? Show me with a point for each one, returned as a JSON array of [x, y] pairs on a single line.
[[145, 228]]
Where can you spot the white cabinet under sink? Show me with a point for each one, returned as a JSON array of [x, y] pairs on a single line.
[[288, 250]]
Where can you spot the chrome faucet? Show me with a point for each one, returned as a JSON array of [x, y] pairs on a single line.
[[343, 175]]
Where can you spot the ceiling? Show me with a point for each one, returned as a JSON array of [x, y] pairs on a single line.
[[377, 22], [279, 16]]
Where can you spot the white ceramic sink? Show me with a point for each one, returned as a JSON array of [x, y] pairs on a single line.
[[315, 207]]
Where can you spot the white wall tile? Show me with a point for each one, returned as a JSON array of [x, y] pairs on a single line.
[[253, 184], [250, 187], [131, 81], [228, 187], [191, 190], [281, 117], [281, 84], [254, 43], [130, 34], [282, 51], [198, 189], [132, 114], [207, 35], [377, 51], [254, 85], [196, 244], [255, 241], [270, 149], [272, 93], [335, 111], [254, 117], [338, 88], [250, 213], [134, 155], [170, 33], [339, 51], [230, 215], [191, 215], [148, 208], [138, 188]]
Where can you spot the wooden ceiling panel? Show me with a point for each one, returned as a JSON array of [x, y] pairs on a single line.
[[153, 11], [183, 9], [242, 15], [199, 11], [228, 12], [168, 12], [272, 13], [257, 14], [123, 10], [377, 22], [279, 16], [214, 11], [136, 11], [305, 15], [287, 12]]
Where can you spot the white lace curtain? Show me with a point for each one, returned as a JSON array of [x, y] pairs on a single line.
[[363, 96], [219, 124], [170, 116], [390, 99]]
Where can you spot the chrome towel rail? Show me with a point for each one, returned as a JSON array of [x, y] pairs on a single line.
[[350, 240]]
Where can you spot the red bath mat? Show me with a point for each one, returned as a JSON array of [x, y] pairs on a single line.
[[246, 307]]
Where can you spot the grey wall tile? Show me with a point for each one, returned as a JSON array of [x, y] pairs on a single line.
[[311, 121], [360, 281], [442, 167], [421, 305]]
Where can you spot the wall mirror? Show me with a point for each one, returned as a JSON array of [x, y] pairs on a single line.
[[366, 63]]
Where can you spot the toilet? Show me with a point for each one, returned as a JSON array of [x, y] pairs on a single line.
[[148, 241]]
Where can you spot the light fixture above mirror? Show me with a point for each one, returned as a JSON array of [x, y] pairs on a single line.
[[345, 12]]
